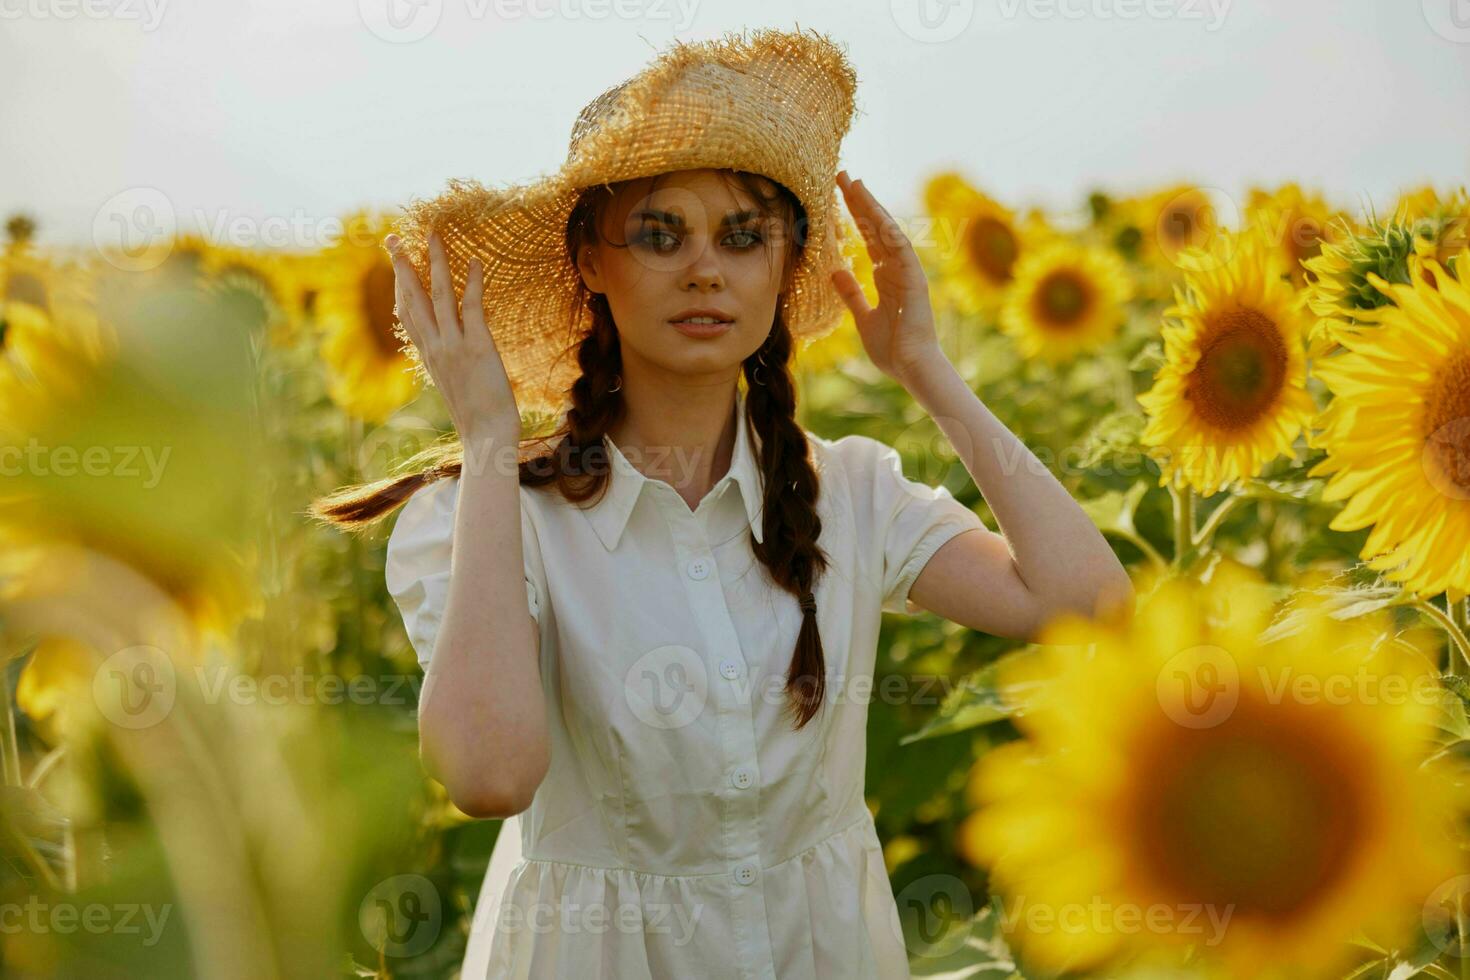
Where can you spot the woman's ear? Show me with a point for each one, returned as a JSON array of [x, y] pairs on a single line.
[[591, 270]]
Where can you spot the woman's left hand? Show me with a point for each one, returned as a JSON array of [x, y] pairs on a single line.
[[898, 333]]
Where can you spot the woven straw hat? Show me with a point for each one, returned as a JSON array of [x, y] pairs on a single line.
[[774, 103]]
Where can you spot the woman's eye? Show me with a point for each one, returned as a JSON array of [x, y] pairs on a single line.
[[664, 241], [655, 236]]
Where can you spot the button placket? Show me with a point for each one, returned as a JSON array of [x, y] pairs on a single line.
[[735, 724]]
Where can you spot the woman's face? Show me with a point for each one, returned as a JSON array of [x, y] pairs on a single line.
[[696, 241]]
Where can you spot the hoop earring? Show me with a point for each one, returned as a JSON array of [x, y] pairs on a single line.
[[760, 357], [619, 387]]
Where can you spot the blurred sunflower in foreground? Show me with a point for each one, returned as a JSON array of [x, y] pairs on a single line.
[[128, 432], [369, 375], [1231, 395], [1187, 784], [1397, 432], [1066, 299]]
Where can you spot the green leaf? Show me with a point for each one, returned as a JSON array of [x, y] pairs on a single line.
[[983, 954], [1114, 510], [1116, 434], [979, 699], [1305, 491], [1149, 359], [1341, 603]]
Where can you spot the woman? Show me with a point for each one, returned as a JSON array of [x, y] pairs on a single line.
[[673, 700]]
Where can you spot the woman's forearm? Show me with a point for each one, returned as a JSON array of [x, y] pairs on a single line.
[[482, 717], [1059, 552]]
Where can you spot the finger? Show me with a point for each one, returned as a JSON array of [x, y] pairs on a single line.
[[890, 235], [413, 290], [441, 288], [867, 221], [852, 294], [475, 331], [402, 311]]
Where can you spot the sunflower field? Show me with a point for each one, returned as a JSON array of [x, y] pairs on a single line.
[[209, 742]]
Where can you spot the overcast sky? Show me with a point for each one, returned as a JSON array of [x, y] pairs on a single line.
[[288, 113]]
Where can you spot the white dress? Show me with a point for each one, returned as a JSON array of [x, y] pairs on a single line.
[[683, 829]]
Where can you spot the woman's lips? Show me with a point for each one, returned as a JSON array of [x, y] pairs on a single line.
[[702, 330]]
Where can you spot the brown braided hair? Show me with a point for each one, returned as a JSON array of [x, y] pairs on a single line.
[[574, 458]]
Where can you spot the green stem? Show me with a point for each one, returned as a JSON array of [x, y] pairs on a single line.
[[1459, 640], [1141, 543], [43, 768], [1205, 537], [9, 741], [1184, 533]]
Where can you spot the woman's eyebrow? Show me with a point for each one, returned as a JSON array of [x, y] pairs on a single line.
[[675, 221]]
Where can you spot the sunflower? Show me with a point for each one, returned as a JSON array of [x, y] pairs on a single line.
[[1298, 223], [1066, 299], [1181, 781], [131, 440], [1154, 229], [1440, 224], [1169, 222], [265, 281], [1397, 432], [55, 684], [1342, 292], [26, 277], [369, 375], [1231, 394], [978, 241]]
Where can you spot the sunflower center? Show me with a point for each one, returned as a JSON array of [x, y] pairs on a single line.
[[1447, 422], [1260, 813], [1241, 369], [993, 248], [378, 300], [1062, 299]]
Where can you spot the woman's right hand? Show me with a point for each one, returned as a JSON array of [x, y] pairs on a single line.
[[458, 351]]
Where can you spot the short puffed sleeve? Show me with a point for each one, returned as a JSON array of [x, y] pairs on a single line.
[[416, 566], [910, 520]]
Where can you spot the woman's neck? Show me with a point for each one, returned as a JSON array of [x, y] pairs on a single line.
[[684, 436]]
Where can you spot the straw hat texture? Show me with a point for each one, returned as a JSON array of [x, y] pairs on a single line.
[[775, 103]]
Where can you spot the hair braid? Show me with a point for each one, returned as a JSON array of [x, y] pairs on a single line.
[[789, 550]]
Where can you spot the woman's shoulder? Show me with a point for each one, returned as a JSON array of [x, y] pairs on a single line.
[[855, 454]]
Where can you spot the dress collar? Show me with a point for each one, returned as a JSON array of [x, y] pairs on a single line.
[[610, 514]]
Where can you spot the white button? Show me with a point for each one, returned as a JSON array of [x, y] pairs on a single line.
[[742, 778], [745, 874], [730, 669], [699, 568]]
